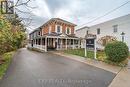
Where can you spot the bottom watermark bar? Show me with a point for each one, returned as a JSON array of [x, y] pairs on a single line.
[[63, 83]]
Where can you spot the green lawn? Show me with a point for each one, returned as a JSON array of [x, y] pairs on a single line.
[[90, 54], [7, 57]]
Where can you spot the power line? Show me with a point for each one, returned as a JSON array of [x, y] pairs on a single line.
[[107, 13]]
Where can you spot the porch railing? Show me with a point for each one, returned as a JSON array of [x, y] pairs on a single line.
[[41, 47], [60, 47]]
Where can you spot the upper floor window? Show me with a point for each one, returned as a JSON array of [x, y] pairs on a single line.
[[58, 30], [98, 31], [49, 29], [36, 34], [68, 31], [115, 28], [39, 33], [87, 32]]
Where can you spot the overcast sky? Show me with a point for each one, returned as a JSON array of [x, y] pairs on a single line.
[[76, 11]]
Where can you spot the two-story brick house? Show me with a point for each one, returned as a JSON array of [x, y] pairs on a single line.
[[55, 34]]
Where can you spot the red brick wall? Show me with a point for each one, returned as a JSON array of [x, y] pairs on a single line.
[[64, 29], [45, 30], [52, 27]]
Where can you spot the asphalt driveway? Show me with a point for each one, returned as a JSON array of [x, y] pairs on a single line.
[[34, 69]]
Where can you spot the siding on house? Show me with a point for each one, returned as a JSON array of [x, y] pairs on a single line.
[[106, 28], [81, 34]]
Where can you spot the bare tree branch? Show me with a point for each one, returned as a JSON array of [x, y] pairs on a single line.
[[22, 11], [24, 3]]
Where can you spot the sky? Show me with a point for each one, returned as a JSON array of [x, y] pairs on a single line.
[[79, 12]]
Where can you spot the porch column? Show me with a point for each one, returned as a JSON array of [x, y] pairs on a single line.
[[45, 44], [61, 44], [85, 47], [70, 43], [35, 43], [41, 43], [66, 43], [78, 43], [48, 42], [57, 44], [73, 43], [95, 50]]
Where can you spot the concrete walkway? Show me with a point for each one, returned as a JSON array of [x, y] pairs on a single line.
[[122, 78]]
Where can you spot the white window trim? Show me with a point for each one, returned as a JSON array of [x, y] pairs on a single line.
[[50, 29], [99, 31], [69, 30], [60, 29], [114, 28], [42, 32]]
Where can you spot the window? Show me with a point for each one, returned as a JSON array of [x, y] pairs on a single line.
[[68, 31], [58, 29], [39, 33], [87, 31], [98, 31], [115, 28], [49, 29]]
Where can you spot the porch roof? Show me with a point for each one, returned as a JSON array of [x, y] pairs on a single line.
[[90, 36], [62, 35]]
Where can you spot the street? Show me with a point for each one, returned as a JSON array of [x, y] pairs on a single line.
[[35, 69]]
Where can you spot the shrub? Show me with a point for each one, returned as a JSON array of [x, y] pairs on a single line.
[[116, 51]]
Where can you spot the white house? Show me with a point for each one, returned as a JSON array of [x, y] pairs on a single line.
[[112, 27]]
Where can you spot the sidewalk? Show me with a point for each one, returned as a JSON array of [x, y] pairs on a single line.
[[122, 78]]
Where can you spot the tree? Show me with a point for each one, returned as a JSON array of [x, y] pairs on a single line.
[[106, 39], [12, 29], [11, 35]]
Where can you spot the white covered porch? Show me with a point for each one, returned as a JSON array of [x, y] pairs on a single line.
[[46, 43]]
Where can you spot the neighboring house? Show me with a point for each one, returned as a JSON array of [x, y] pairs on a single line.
[[81, 33], [55, 34], [111, 28]]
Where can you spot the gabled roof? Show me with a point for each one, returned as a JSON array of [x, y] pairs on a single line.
[[82, 28], [61, 20], [58, 20], [54, 20]]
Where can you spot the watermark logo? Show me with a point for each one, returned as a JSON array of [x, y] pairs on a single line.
[[7, 7], [63, 83]]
